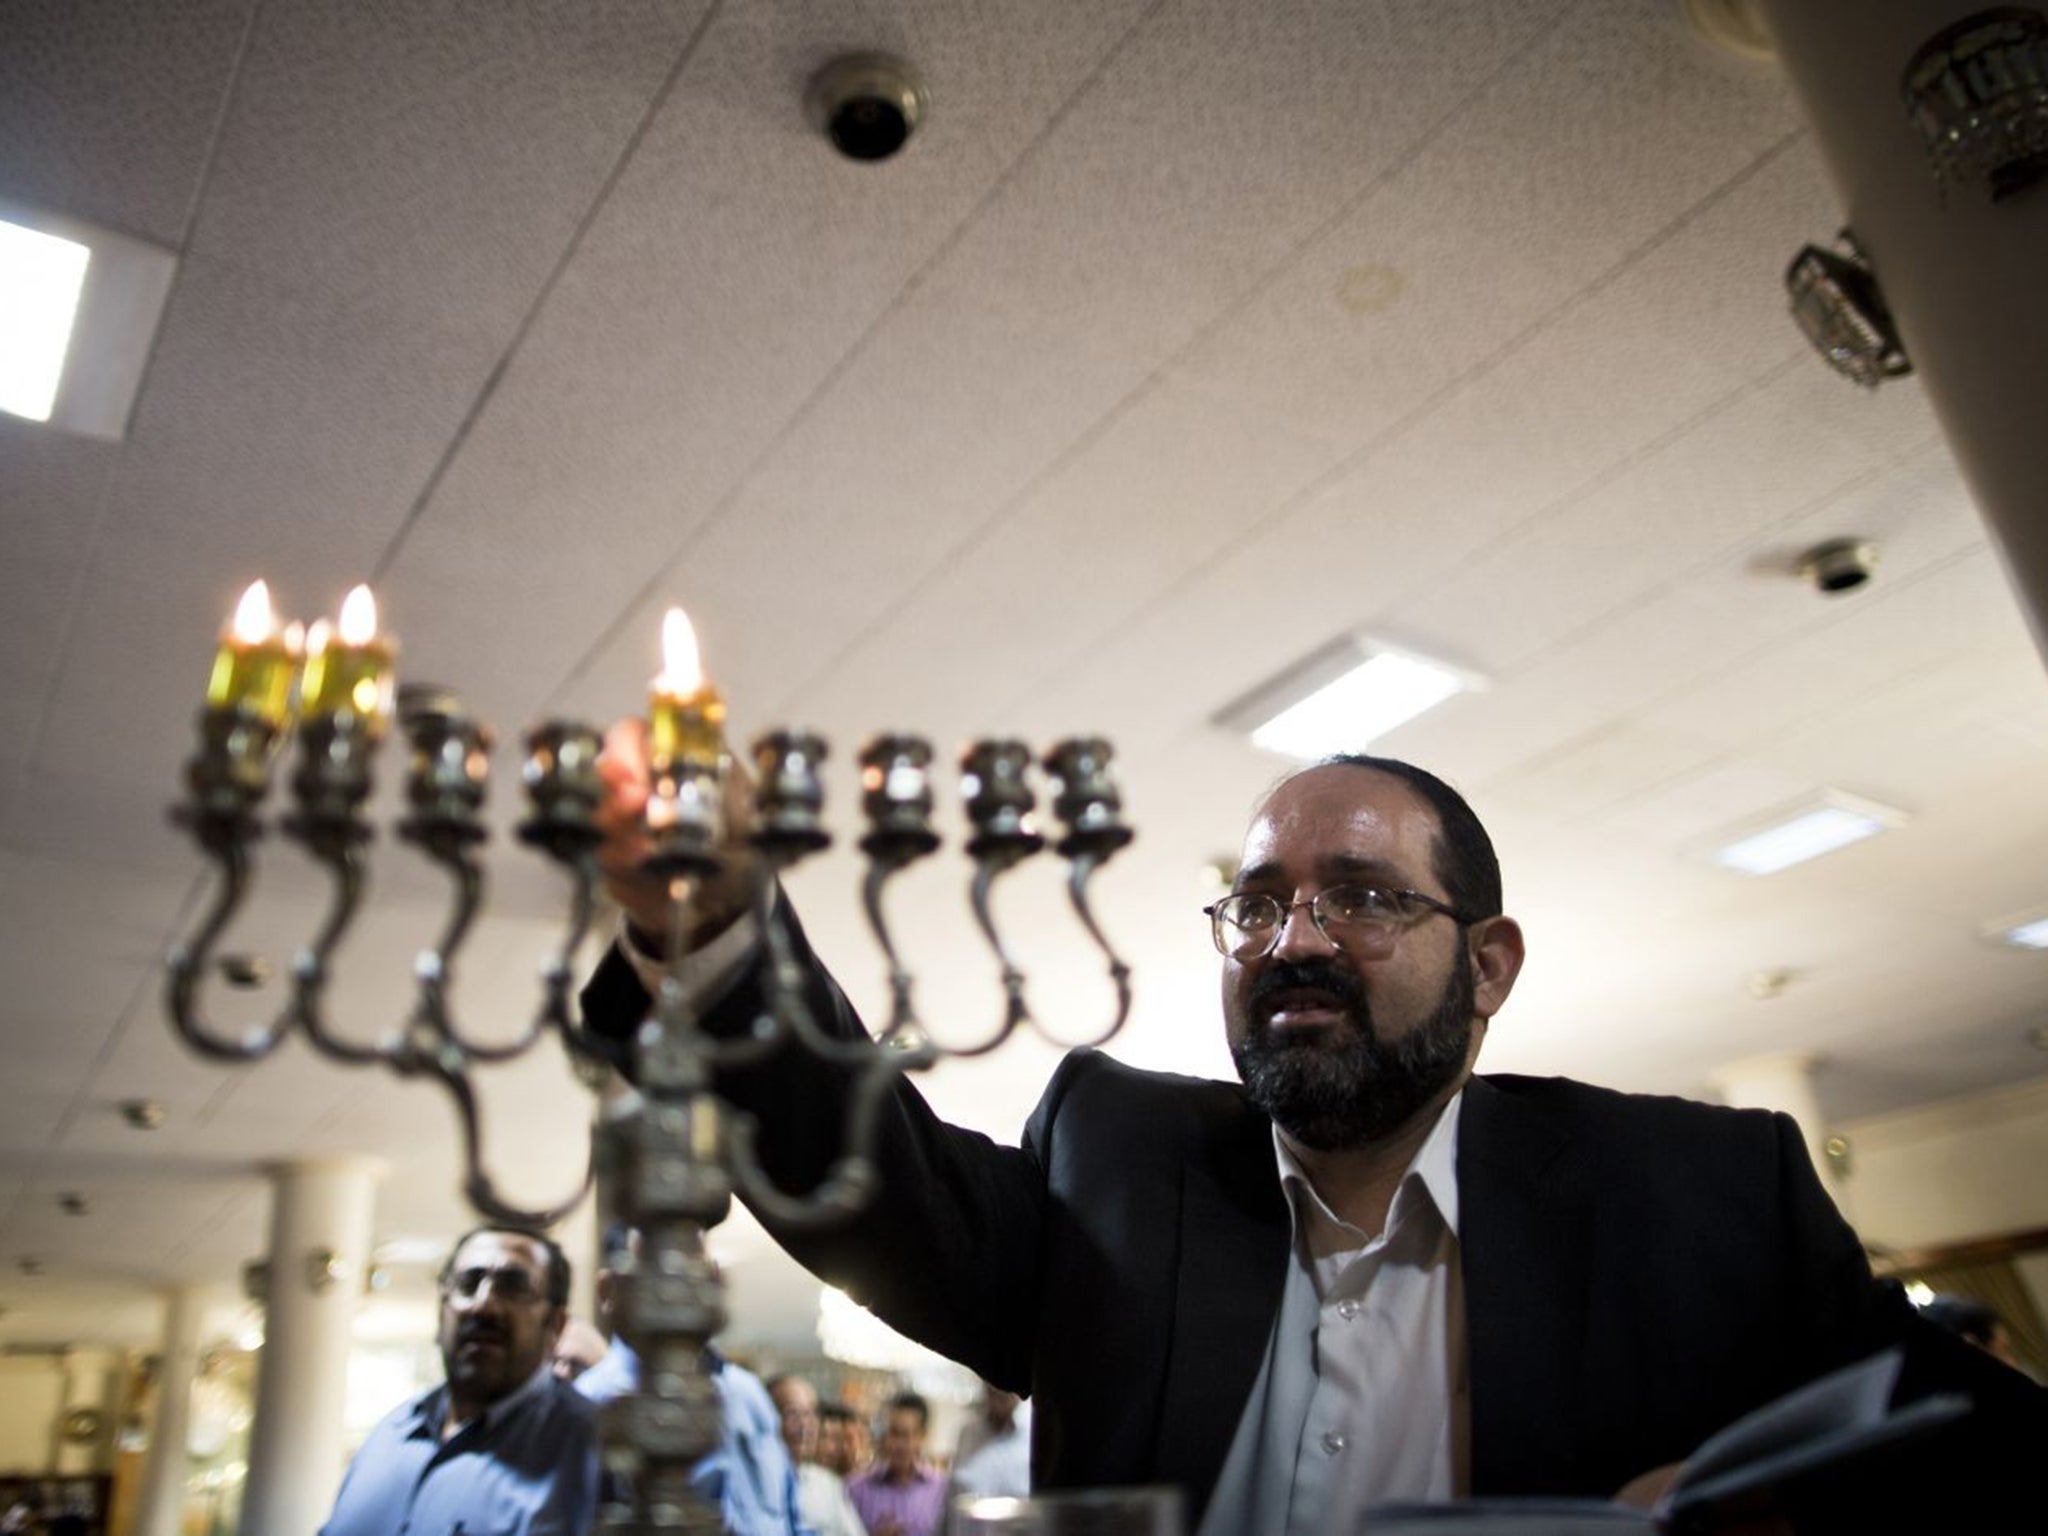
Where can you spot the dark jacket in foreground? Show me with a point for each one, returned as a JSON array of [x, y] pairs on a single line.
[[1638, 1271]]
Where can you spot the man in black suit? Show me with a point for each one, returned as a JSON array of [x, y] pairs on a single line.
[[1362, 1274]]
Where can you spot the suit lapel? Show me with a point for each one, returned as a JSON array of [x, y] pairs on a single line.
[[1232, 1266], [1524, 1231]]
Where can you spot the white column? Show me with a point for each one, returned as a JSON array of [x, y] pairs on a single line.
[[1783, 1083], [318, 1210], [1961, 274], [160, 1506]]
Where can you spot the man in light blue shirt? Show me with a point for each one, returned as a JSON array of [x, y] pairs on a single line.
[[501, 1448]]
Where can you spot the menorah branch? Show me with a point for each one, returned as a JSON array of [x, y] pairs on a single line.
[[668, 1154]]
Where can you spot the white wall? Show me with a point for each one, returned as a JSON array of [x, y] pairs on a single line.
[[35, 1392], [1966, 1168]]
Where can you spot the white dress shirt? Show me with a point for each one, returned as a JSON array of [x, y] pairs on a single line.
[[1363, 1393]]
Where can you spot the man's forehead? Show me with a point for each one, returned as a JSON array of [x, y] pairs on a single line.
[[496, 1248], [1345, 815]]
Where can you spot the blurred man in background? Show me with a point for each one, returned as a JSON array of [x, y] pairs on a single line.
[[501, 1433], [901, 1494], [821, 1501]]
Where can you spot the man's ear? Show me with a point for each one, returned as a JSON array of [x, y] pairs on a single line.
[[557, 1320], [1497, 954]]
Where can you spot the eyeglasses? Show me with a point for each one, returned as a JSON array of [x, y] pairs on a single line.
[[1362, 920], [507, 1283]]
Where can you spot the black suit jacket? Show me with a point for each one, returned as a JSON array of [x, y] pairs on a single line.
[[1638, 1271]]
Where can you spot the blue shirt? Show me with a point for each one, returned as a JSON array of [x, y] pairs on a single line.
[[525, 1466], [750, 1476]]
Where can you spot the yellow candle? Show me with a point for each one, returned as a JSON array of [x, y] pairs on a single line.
[[685, 714], [257, 660], [348, 667]]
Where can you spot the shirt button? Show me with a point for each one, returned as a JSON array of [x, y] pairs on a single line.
[[1347, 1308], [1333, 1443]]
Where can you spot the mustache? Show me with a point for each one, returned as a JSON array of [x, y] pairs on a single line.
[[479, 1330], [1280, 976]]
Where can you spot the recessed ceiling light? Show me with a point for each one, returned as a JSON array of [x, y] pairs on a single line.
[[1806, 831], [1342, 698], [40, 279], [2022, 930], [79, 307]]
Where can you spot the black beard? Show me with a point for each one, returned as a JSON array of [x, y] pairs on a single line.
[[1344, 1087], [484, 1380]]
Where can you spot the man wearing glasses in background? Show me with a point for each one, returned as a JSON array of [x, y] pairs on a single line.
[[1362, 1275], [502, 1445]]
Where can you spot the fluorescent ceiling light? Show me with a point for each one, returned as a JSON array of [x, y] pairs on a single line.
[[1807, 832], [2032, 935], [40, 278], [2022, 930], [1342, 698], [79, 308]]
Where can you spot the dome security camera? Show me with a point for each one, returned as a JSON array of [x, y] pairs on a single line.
[[1839, 565], [867, 104]]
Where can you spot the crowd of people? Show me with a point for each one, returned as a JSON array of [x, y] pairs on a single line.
[[511, 1429]]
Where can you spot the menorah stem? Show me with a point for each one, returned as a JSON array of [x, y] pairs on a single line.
[[1079, 874], [445, 1066], [228, 847], [848, 1184], [903, 1020], [467, 877], [447, 846], [342, 853], [558, 974], [786, 1010], [1015, 1010], [668, 1172]]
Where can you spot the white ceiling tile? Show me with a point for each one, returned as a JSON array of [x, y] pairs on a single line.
[[1490, 228], [1163, 486], [107, 111], [1683, 507], [475, 144]]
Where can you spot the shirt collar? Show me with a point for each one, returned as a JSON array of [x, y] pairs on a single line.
[[1432, 1174], [432, 1407]]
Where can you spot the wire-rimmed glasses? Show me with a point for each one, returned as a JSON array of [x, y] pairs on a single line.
[[1363, 920]]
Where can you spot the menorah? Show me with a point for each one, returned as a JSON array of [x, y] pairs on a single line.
[[668, 1158]]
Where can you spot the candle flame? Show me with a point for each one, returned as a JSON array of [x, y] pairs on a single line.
[[681, 669], [358, 617], [318, 637], [255, 620]]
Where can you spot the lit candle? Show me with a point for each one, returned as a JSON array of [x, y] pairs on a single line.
[[685, 714], [257, 661], [685, 752], [348, 667]]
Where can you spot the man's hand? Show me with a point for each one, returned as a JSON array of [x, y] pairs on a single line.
[[1643, 1492], [716, 902]]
